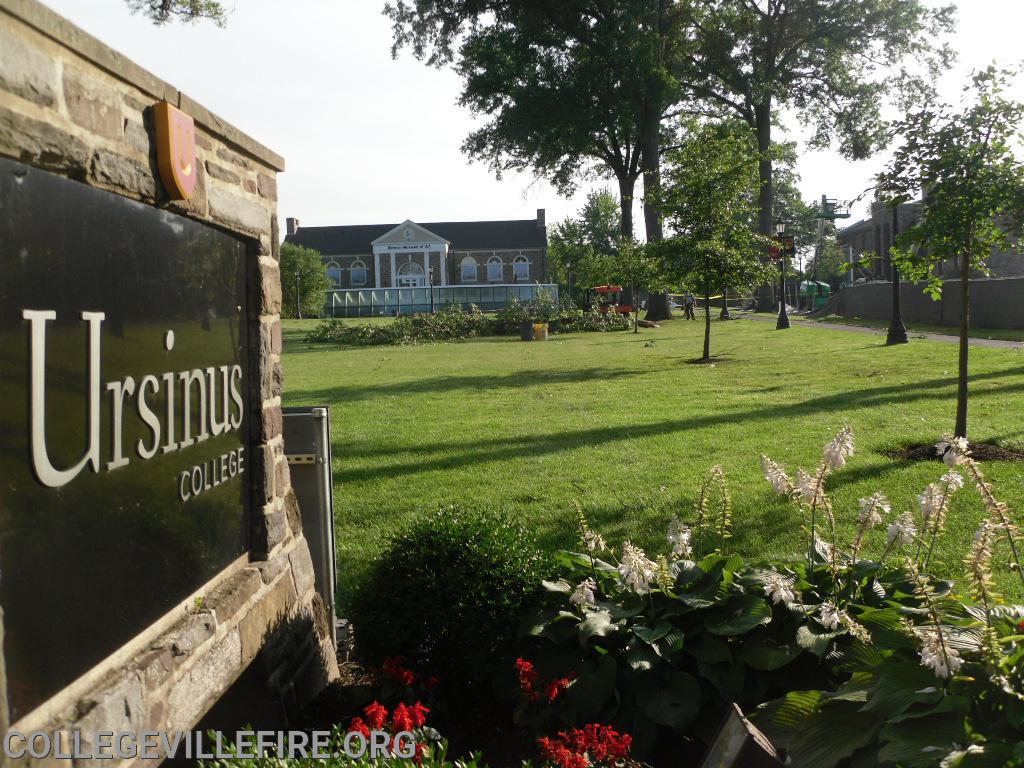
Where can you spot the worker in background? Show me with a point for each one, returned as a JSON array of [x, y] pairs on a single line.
[[688, 302]]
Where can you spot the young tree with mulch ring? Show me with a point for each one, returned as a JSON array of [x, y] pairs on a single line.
[[706, 201], [972, 182]]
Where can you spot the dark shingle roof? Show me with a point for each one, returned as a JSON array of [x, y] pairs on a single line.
[[463, 235]]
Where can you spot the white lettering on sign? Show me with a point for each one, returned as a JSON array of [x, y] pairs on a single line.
[[412, 246], [205, 386]]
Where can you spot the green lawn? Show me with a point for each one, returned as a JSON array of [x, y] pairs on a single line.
[[624, 423]]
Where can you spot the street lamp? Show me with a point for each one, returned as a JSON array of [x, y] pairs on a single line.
[[298, 292], [897, 330], [431, 288], [780, 231]]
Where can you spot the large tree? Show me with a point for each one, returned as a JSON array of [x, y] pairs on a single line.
[[572, 243], [560, 83], [836, 62], [164, 11], [708, 198], [303, 272], [962, 160]]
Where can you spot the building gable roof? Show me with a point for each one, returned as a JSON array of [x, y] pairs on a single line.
[[463, 236], [407, 232]]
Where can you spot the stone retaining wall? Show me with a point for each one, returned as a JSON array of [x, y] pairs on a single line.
[[995, 303], [72, 106]]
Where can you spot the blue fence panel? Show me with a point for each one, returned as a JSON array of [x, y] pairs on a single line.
[[373, 302]]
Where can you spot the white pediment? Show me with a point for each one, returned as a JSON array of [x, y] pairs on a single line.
[[408, 233]]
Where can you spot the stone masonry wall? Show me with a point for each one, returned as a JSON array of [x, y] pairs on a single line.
[[73, 106], [995, 303]]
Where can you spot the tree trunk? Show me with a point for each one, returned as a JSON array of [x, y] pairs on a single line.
[[658, 306], [765, 195], [626, 187], [707, 325], [965, 321]]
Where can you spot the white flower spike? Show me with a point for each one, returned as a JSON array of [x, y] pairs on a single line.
[[636, 569], [828, 615], [779, 588], [943, 661], [901, 532], [679, 537], [872, 508], [583, 595], [953, 450], [840, 449]]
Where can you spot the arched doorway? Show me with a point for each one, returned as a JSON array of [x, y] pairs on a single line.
[[410, 275]]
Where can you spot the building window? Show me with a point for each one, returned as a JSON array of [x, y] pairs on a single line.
[[521, 268], [494, 269], [468, 265], [334, 273], [358, 273]]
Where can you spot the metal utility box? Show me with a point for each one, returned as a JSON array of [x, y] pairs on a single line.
[[307, 446]]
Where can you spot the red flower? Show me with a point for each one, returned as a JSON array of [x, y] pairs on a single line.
[[527, 678], [396, 670], [376, 715], [420, 749], [527, 674], [557, 753], [554, 689], [591, 745], [1020, 627], [419, 714], [402, 718], [358, 726]]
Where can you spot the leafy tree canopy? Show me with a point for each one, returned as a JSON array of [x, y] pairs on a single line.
[[834, 61], [312, 281], [164, 11], [595, 230], [962, 161]]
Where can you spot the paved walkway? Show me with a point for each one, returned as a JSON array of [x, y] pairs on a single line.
[[974, 342]]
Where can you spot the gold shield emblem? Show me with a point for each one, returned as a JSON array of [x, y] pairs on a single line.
[[176, 150]]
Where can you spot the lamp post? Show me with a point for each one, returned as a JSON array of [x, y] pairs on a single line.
[[298, 293], [897, 330], [724, 314], [780, 231], [431, 288]]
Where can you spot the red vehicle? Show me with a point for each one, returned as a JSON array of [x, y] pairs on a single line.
[[610, 297]]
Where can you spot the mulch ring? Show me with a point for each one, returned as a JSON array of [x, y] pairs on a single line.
[[979, 451]]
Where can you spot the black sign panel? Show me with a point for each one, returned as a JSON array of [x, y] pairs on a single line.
[[123, 429]]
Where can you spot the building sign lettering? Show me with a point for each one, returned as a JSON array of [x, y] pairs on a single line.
[[124, 421]]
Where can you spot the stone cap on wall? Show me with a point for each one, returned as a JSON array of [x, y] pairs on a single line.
[[61, 30]]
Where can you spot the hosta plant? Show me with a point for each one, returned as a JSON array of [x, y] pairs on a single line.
[[934, 674], [661, 646]]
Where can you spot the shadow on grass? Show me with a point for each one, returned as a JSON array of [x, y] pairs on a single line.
[[449, 456], [475, 383]]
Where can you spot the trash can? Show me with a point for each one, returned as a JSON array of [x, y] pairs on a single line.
[[540, 331], [526, 331]]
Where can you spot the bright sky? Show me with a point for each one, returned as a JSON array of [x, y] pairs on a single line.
[[368, 139]]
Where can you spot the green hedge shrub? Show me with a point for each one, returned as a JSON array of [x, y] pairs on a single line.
[[453, 323], [445, 593]]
